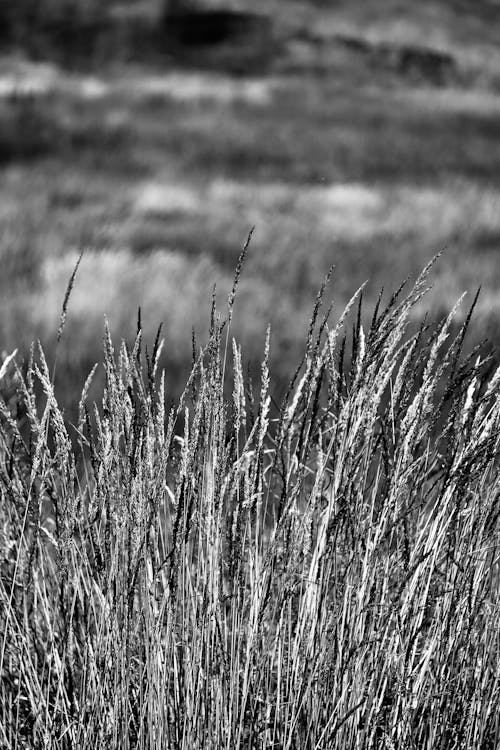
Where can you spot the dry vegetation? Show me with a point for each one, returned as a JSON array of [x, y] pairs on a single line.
[[228, 573], [342, 146], [254, 561]]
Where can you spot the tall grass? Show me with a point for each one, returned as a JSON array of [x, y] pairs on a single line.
[[227, 573]]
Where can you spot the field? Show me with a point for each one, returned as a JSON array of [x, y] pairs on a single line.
[[338, 139], [326, 576], [242, 536]]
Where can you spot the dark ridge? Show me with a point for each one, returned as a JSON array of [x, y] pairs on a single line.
[[434, 66], [207, 28]]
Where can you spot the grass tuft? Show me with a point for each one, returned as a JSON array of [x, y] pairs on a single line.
[[233, 574]]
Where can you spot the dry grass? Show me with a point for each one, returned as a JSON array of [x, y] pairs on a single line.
[[333, 153], [230, 574]]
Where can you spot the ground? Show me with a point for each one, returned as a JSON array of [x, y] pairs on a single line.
[[364, 135]]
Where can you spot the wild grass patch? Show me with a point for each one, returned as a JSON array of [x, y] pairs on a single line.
[[229, 572]]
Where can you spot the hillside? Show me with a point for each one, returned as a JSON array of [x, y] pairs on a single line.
[[363, 135]]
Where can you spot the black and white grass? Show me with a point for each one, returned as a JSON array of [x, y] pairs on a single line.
[[229, 572]]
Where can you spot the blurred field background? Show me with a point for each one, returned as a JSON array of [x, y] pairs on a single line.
[[154, 136]]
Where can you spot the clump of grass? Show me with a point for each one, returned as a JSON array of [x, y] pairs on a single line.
[[227, 573]]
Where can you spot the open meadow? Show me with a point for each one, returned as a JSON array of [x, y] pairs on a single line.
[[274, 522], [340, 138]]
